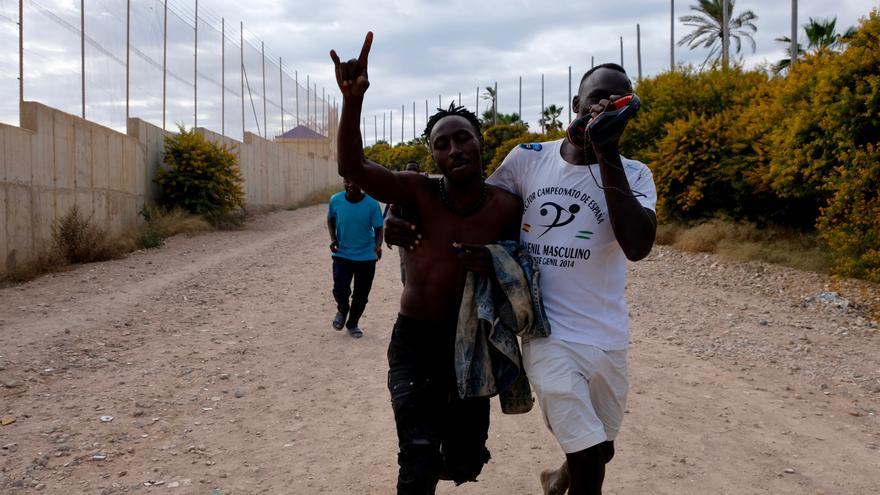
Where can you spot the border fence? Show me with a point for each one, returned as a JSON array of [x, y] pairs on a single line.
[[167, 62]]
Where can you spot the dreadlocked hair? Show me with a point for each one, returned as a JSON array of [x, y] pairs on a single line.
[[449, 112]]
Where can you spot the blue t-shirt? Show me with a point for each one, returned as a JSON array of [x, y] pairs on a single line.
[[354, 226]]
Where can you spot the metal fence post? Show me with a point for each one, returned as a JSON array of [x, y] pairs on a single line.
[[402, 120], [196, 70], [639, 49], [281, 92], [223, 76], [621, 51], [495, 106], [725, 34], [265, 119], [520, 99], [569, 95], [82, 48], [165, 66], [241, 42], [308, 102], [391, 127], [671, 34], [542, 104], [477, 109], [375, 129], [20, 55], [127, 59], [296, 84], [793, 48], [414, 120]]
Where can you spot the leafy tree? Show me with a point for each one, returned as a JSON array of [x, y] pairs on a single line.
[[707, 23], [822, 37], [550, 118], [490, 96]]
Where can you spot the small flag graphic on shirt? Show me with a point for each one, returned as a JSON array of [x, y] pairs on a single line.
[[526, 227], [584, 234]]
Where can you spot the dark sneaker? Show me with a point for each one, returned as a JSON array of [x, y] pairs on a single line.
[[339, 321], [355, 332]]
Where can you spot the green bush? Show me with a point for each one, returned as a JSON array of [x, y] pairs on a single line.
[[850, 223], [200, 176]]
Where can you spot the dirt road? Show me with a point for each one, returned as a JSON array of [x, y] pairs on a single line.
[[216, 360]]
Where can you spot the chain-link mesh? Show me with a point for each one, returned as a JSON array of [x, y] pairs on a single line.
[[169, 85]]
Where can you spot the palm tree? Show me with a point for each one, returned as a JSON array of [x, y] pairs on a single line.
[[707, 28], [822, 37], [550, 118], [489, 95]]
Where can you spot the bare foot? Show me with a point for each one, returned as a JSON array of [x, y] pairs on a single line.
[[555, 481]]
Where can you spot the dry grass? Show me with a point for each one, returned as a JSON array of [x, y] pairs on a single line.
[[745, 241], [75, 239], [168, 223], [316, 198]]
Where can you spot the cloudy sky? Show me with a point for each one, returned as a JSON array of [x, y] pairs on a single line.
[[429, 49]]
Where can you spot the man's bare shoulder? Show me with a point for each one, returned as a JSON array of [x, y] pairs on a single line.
[[505, 198]]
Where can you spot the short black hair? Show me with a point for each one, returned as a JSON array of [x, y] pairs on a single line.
[[609, 65], [453, 110]]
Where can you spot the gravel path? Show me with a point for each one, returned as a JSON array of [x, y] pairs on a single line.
[[216, 360]]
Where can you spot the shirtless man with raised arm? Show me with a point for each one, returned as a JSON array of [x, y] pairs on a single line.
[[440, 435], [587, 210]]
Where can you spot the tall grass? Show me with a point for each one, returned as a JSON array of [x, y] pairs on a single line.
[[746, 241]]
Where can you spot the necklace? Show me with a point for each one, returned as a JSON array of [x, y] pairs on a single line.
[[469, 210]]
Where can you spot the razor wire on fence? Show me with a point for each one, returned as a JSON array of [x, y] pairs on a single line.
[[168, 62]]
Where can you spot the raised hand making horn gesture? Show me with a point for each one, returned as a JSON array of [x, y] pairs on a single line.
[[352, 76]]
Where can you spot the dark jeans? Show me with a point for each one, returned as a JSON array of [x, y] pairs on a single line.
[[344, 270], [440, 436]]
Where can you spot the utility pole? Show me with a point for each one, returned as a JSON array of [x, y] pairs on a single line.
[[671, 35], [725, 34], [794, 35]]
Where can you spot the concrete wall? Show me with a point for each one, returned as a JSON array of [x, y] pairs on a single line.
[[56, 160]]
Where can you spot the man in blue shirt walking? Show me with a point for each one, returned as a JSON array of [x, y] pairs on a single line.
[[355, 224]]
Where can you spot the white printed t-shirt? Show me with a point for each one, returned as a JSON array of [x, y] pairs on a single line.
[[566, 229]]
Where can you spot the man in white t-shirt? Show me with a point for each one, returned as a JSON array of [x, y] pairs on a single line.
[[586, 211]]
